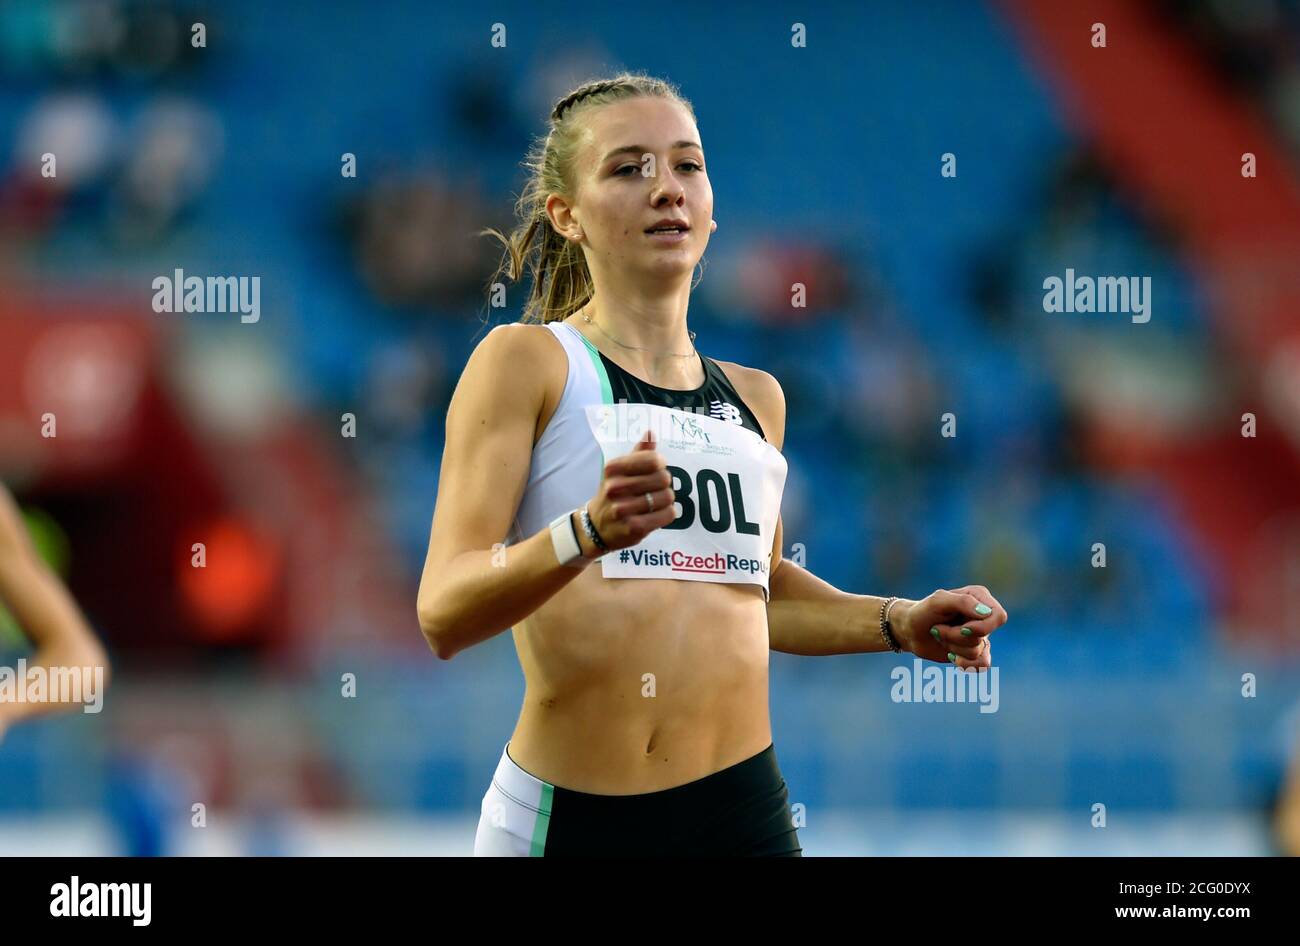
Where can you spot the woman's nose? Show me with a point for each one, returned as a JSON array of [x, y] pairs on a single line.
[[669, 187]]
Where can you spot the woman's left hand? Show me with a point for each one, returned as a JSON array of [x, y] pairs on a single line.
[[951, 626]]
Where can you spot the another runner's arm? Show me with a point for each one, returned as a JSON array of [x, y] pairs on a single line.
[[470, 591], [1286, 818], [44, 609]]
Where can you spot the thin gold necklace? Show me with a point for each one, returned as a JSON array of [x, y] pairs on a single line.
[[666, 354]]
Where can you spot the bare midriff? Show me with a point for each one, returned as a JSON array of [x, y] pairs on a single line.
[[635, 685]]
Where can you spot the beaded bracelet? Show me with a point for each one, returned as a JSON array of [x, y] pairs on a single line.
[[884, 626], [590, 529]]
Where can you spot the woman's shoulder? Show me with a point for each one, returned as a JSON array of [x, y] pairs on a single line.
[[762, 392], [524, 344], [519, 330], [527, 359]]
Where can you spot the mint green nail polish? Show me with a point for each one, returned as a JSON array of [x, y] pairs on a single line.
[[934, 632], [966, 632], [952, 657], [983, 608]]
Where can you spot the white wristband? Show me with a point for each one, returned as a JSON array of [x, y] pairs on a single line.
[[564, 539]]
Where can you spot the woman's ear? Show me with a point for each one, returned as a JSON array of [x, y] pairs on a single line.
[[561, 216]]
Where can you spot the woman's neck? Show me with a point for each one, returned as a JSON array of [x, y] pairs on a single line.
[[650, 341]]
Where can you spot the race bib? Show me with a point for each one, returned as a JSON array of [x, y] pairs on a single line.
[[727, 481]]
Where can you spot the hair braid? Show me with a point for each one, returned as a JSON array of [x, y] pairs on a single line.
[[580, 93]]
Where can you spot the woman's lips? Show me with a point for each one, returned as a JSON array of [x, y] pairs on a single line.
[[671, 237]]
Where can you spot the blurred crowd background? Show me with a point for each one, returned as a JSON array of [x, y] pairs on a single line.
[[1119, 685]]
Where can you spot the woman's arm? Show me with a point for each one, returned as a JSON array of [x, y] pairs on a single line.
[[813, 618], [46, 613], [808, 616], [470, 591]]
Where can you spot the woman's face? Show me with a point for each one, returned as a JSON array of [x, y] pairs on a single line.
[[641, 162]]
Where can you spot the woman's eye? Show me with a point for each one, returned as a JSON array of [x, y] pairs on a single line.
[[636, 167]]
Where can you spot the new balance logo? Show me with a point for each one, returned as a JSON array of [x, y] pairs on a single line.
[[723, 411]]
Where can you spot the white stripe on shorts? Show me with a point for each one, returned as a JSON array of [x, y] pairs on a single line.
[[515, 813]]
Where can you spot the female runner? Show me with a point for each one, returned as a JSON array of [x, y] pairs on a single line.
[[637, 485]]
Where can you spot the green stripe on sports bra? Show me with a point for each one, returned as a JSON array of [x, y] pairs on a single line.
[[606, 395]]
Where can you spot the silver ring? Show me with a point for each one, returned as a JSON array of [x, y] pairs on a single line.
[[649, 500]]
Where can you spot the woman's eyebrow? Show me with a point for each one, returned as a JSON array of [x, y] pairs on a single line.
[[642, 149]]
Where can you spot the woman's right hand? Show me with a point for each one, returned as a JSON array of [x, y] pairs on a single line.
[[619, 508]]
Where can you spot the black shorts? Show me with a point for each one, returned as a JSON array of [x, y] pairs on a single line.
[[741, 811]]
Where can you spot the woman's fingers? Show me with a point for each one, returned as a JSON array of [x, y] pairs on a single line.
[[981, 628], [642, 525], [969, 607], [962, 620], [636, 505], [980, 663], [617, 487], [639, 461], [998, 613], [952, 639], [965, 608], [621, 508]]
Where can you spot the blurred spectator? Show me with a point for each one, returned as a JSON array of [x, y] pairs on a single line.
[[176, 148], [411, 237], [81, 134], [90, 38]]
